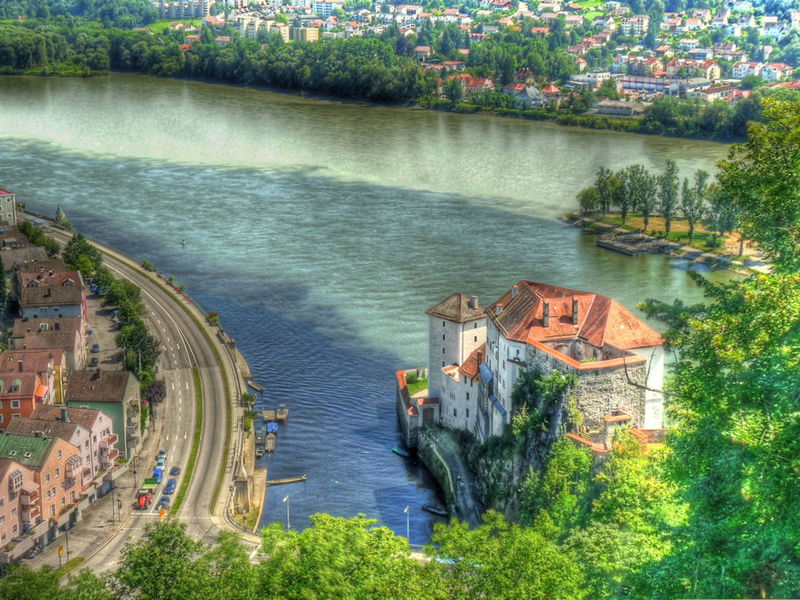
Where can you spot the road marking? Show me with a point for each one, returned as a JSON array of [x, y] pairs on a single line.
[[187, 385], [185, 433], [167, 437], [173, 385]]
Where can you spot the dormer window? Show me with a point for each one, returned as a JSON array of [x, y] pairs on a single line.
[[27, 455], [15, 386]]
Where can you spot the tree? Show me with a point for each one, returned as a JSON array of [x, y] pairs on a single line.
[[453, 89], [720, 216], [121, 291], [162, 565], [79, 247], [606, 184], [693, 201], [641, 188], [589, 199], [157, 392], [622, 194], [503, 560], [762, 178], [668, 194], [342, 558]]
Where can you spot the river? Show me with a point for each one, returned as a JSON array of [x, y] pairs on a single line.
[[321, 232]]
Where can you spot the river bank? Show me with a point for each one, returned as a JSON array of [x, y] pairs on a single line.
[[631, 242]]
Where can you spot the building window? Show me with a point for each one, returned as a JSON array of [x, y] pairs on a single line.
[[16, 416], [72, 496], [476, 338], [442, 336], [455, 412], [15, 404], [3, 538], [47, 478], [15, 529], [442, 363], [58, 472], [1, 417], [467, 399], [443, 324], [443, 350], [468, 413], [2, 520], [13, 512], [63, 500], [58, 454], [476, 325], [52, 510]]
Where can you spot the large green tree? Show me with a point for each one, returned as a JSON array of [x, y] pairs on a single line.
[[668, 194]]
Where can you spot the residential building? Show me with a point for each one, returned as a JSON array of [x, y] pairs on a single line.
[[16, 257], [776, 71], [636, 25], [325, 8], [56, 467], [90, 431], [63, 334], [116, 393], [19, 493], [20, 394], [45, 292], [192, 9], [8, 207], [619, 108], [49, 364], [743, 68]]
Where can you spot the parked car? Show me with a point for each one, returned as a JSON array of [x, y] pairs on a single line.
[[175, 471], [162, 453], [93, 362], [163, 503], [161, 462], [95, 348], [171, 485]]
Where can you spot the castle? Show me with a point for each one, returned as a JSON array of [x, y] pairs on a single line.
[[476, 354]]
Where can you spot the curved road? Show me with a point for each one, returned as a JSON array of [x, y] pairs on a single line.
[[184, 347]]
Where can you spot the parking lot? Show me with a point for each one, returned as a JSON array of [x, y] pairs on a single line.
[[103, 331]]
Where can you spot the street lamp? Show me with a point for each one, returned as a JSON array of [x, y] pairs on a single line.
[[288, 523], [408, 524]]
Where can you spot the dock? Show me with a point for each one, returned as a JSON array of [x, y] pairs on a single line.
[[269, 415], [282, 415], [286, 480]]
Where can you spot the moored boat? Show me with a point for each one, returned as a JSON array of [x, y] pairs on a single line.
[[435, 509], [400, 452]]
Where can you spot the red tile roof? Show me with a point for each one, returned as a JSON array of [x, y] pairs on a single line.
[[469, 368], [601, 320], [456, 307], [5, 192]]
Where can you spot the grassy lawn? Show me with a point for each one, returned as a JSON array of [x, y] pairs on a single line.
[[163, 24], [73, 564], [591, 16], [420, 385], [703, 239], [591, 3]]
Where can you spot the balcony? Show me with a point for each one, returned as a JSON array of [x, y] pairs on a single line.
[[108, 441], [29, 496], [29, 513], [67, 484], [109, 458]]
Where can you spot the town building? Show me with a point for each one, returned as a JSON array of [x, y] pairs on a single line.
[[91, 431], [45, 292], [49, 364], [192, 9], [19, 493], [636, 25], [8, 207], [67, 335], [20, 394], [115, 393], [56, 466]]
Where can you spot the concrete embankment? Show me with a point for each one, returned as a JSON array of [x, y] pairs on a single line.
[[440, 452]]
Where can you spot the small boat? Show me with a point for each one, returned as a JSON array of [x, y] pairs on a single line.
[[435, 509], [183, 242], [255, 386], [272, 428], [400, 452], [269, 446]]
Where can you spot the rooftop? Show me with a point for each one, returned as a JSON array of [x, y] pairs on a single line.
[[85, 417], [51, 429], [458, 308], [97, 386], [26, 450]]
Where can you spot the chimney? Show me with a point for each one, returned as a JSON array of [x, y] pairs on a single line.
[[575, 312], [96, 376], [514, 290], [546, 315], [472, 302], [479, 356], [39, 434], [57, 325], [64, 415], [498, 308], [19, 366]]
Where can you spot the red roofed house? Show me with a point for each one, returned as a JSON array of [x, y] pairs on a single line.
[[476, 355], [476, 85], [20, 394]]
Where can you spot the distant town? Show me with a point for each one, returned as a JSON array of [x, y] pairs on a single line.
[[711, 54]]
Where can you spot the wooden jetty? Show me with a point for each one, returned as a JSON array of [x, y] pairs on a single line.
[[286, 480], [617, 246], [269, 444], [282, 414], [268, 415]]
